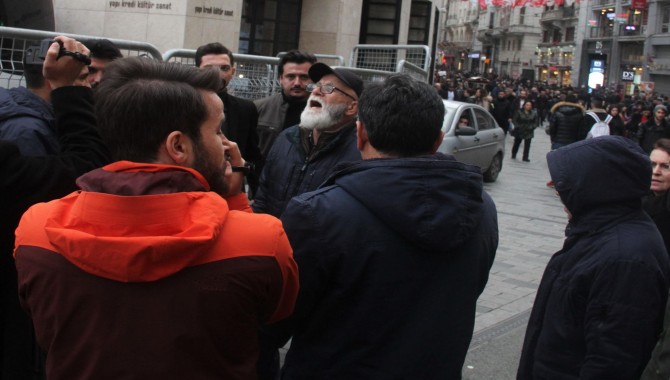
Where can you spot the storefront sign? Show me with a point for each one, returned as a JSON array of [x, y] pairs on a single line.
[[638, 4], [628, 76]]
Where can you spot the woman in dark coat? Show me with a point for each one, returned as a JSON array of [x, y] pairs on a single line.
[[525, 122], [617, 125]]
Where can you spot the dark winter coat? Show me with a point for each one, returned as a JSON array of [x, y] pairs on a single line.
[[599, 307], [525, 123], [28, 180], [501, 109], [393, 254], [28, 121], [649, 132], [565, 121], [289, 172]]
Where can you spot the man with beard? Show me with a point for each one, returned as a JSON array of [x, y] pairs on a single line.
[[282, 110], [156, 262], [304, 155], [241, 115]]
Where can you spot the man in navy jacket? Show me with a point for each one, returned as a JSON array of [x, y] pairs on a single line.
[[393, 250]]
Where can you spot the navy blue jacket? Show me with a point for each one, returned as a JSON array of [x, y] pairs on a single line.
[[393, 254], [28, 121], [288, 172], [599, 307]]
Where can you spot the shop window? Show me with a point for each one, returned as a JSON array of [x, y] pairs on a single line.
[[267, 28], [419, 24]]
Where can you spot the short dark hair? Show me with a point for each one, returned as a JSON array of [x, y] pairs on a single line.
[[663, 144], [295, 56], [402, 117], [597, 102], [141, 101], [103, 49], [212, 48]]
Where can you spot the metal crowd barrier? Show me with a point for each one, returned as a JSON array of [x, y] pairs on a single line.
[[412, 70], [389, 57], [255, 75], [15, 41]]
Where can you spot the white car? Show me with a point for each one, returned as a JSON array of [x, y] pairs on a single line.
[[481, 142]]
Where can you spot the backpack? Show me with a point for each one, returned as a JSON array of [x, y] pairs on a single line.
[[600, 128]]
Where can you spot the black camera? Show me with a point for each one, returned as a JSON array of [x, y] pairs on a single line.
[[36, 54]]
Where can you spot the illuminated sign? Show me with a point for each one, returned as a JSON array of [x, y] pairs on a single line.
[[628, 76]]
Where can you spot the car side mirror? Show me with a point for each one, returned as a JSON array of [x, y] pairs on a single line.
[[465, 131]]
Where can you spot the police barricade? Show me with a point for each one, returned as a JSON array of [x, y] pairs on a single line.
[[15, 41], [389, 57], [412, 70], [255, 76]]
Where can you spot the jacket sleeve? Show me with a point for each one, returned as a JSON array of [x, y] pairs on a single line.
[[44, 178], [311, 255], [623, 319], [32, 135]]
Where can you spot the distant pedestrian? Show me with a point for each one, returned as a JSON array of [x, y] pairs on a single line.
[[525, 122], [599, 308], [564, 122], [653, 129]]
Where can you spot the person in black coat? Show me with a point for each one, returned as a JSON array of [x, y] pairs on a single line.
[[28, 180], [241, 115], [501, 110], [599, 307], [654, 128], [565, 121]]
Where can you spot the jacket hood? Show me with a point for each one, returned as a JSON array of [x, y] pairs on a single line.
[[20, 101], [607, 170], [143, 237], [568, 108], [423, 199]]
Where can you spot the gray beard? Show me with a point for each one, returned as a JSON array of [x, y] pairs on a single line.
[[324, 119]]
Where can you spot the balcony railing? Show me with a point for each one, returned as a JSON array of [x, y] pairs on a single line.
[[522, 29], [600, 32]]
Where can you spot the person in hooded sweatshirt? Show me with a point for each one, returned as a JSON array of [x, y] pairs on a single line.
[[393, 251], [599, 307]]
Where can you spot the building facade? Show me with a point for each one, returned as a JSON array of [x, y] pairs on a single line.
[[260, 27]]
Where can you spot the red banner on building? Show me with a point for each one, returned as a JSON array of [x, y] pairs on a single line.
[[638, 4]]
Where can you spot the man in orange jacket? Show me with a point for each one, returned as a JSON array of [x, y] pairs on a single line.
[[156, 268]]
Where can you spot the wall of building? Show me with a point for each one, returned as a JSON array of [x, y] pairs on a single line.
[[330, 27], [167, 24]]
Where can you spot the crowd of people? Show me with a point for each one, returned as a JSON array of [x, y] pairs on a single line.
[[157, 226]]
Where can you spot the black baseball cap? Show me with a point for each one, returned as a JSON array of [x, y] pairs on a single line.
[[348, 77]]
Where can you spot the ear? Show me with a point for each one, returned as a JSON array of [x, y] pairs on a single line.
[[352, 109], [438, 141], [232, 71], [178, 149], [361, 136]]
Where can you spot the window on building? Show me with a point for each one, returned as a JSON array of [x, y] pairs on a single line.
[[522, 15], [380, 22], [569, 34], [665, 20], [545, 36], [269, 28], [556, 38], [419, 22], [491, 20]]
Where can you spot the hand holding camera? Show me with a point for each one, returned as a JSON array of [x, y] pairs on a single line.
[[74, 57]]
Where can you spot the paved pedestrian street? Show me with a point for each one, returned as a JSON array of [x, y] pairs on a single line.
[[531, 223]]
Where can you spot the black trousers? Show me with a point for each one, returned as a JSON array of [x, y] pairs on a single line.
[[526, 147]]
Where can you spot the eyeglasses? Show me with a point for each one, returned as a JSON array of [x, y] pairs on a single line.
[[327, 88], [665, 167]]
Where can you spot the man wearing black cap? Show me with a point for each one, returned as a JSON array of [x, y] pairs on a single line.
[[303, 156]]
